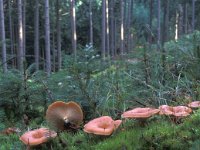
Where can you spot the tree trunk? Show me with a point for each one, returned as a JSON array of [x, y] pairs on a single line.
[[3, 39], [20, 57], [193, 15], [130, 3], [91, 22], [36, 34], [103, 38], [112, 27], [150, 20], [165, 34], [11, 32], [122, 28], [47, 38], [107, 30], [73, 27], [180, 20], [186, 18], [24, 27], [58, 28], [158, 26]]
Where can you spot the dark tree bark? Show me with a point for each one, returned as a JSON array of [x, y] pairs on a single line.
[[3, 38], [24, 27], [165, 34], [186, 18], [112, 27], [58, 28], [11, 32], [73, 26], [193, 15], [103, 38], [47, 38], [150, 20], [130, 3], [180, 20], [36, 34], [20, 57], [158, 25]]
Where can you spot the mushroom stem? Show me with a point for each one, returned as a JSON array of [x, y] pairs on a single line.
[[67, 123]]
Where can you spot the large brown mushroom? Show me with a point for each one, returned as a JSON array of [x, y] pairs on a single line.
[[37, 136], [64, 115], [104, 125]]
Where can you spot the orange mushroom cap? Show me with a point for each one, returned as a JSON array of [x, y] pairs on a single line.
[[37, 137], [140, 113], [104, 125], [181, 111], [60, 114], [195, 104], [166, 110]]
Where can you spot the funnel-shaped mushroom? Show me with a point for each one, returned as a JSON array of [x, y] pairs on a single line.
[[195, 104], [37, 137], [181, 111], [140, 113], [63, 115], [166, 110], [104, 125]]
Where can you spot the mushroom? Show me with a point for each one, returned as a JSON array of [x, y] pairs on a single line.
[[37, 136], [141, 114], [8, 131], [195, 104], [166, 110], [104, 125], [64, 115], [175, 113], [181, 111]]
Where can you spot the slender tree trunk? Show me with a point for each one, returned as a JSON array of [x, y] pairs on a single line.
[[58, 28], [165, 22], [193, 15], [54, 51], [103, 38], [150, 21], [73, 27], [186, 18], [47, 39], [107, 30], [180, 20], [24, 27], [20, 57], [158, 26], [36, 34], [91, 22], [3, 38], [122, 28], [130, 3], [112, 27], [11, 32]]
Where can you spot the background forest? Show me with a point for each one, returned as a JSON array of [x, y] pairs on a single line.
[[107, 55]]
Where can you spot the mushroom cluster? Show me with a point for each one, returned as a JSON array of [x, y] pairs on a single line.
[[69, 115]]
